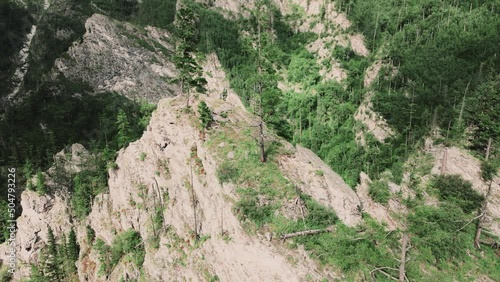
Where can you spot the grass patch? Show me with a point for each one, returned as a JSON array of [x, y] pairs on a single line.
[[379, 191]]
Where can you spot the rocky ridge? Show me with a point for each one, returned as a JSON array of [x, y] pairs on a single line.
[[165, 178], [119, 57]]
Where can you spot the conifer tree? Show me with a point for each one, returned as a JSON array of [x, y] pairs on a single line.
[[51, 270], [206, 117], [28, 173], [37, 275], [123, 128], [190, 72], [262, 14], [73, 249], [81, 197], [40, 182], [62, 254]]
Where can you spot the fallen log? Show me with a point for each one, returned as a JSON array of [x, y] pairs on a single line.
[[306, 232], [493, 244]]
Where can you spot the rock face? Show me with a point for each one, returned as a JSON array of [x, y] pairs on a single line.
[[317, 179], [165, 179], [41, 211], [373, 122], [382, 213], [452, 160], [156, 173], [118, 57], [22, 63]]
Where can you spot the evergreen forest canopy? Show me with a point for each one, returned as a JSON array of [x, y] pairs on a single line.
[[447, 70], [446, 81], [446, 54]]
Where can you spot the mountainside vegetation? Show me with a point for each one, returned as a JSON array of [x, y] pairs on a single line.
[[446, 58], [15, 23], [439, 80]]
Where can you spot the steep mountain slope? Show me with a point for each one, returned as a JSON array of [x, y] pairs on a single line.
[[118, 57], [168, 180], [351, 190]]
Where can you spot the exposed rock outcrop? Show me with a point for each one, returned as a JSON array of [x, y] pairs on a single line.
[[166, 178], [374, 123], [317, 179], [157, 173], [452, 160], [119, 57], [41, 211], [382, 213]]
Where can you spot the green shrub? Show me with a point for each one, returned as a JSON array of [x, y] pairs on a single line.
[[351, 250], [129, 242], [214, 278], [142, 156], [454, 189], [227, 172], [379, 191], [488, 170], [158, 218], [6, 275], [318, 216], [90, 234], [248, 207], [438, 230], [104, 253], [206, 117], [40, 183], [112, 165]]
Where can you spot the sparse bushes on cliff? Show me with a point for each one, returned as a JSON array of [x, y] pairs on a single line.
[[454, 189], [127, 243], [379, 191]]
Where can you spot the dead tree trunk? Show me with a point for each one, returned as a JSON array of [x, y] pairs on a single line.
[[480, 221], [193, 199], [488, 149], [402, 265], [306, 232], [443, 163], [463, 103], [259, 98], [263, 158]]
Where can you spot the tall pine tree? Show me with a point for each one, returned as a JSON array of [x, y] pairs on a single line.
[[124, 130], [51, 269], [190, 72], [73, 249], [263, 16]]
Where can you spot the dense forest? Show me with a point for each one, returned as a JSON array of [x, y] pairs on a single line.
[[446, 87]]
